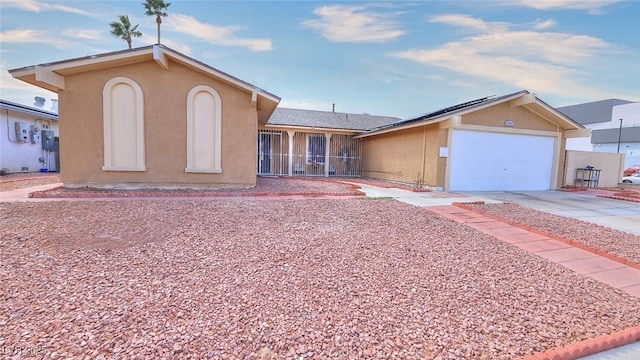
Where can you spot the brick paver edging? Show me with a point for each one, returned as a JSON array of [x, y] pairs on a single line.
[[616, 197], [589, 346], [594, 250], [177, 193]]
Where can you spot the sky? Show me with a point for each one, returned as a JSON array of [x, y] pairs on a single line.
[[392, 58]]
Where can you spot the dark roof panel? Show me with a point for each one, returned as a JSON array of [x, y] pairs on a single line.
[[592, 112], [327, 119]]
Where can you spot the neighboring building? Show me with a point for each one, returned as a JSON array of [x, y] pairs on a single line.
[[152, 117], [608, 133], [28, 138], [511, 142]]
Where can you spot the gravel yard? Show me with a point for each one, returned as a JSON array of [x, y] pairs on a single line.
[[617, 242], [285, 279], [264, 186]]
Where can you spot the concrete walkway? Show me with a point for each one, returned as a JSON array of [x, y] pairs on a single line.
[[23, 194]]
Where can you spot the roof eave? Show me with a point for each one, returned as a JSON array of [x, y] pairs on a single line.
[[51, 76]]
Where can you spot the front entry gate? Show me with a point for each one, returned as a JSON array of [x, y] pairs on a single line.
[[308, 154]]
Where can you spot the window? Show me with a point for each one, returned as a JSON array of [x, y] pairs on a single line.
[[316, 146], [123, 125], [204, 133]]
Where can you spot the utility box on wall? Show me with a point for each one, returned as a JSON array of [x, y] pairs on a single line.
[[22, 132], [48, 140], [34, 134]]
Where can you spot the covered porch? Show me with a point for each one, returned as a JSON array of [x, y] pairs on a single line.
[[308, 153]]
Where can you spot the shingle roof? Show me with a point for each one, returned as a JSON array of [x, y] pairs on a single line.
[[592, 112], [328, 119]]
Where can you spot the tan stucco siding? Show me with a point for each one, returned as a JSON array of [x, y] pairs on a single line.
[[496, 116], [165, 111], [394, 156]]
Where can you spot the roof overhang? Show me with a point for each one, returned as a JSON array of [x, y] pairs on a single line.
[[522, 98], [51, 76], [4, 104]]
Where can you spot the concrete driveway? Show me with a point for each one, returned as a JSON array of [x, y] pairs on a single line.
[[617, 214], [583, 205]]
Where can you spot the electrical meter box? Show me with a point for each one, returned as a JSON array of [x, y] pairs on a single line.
[[48, 140], [22, 132], [34, 134]]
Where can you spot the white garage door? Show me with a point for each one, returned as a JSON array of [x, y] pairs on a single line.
[[484, 161]]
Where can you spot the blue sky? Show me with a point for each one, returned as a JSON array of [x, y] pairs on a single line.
[[397, 58]]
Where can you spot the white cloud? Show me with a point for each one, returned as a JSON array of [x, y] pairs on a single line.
[[217, 35], [38, 6], [84, 34], [544, 24], [34, 36], [592, 5], [540, 61], [342, 23], [468, 22]]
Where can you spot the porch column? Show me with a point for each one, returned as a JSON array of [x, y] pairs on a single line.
[[326, 154], [290, 157]]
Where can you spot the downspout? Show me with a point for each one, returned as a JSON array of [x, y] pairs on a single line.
[[424, 157], [8, 129]]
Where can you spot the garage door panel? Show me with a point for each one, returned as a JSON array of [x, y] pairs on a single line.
[[483, 161]]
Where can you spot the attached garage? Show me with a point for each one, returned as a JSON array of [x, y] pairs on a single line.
[[488, 161], [513, 142]]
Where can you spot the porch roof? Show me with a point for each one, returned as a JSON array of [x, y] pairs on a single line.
[[327, 120]]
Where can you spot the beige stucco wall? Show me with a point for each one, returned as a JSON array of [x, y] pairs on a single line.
[[165, 104], [610, 164], [395, 156], [409, 154], [495, 116]]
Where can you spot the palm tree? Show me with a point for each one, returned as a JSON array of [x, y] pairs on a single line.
[[156, 8], [123, 29]]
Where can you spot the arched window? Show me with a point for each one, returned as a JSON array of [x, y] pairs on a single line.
[[123, 120], [203, 130]]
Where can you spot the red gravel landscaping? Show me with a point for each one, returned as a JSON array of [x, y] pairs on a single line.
[[255, 279], [619, 243]]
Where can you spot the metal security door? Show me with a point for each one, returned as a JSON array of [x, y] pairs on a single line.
[[264, 153]]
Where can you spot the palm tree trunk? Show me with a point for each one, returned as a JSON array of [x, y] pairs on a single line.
[[158, 21]]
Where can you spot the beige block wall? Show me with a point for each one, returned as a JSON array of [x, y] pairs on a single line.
[[165, 96], [610, 164]]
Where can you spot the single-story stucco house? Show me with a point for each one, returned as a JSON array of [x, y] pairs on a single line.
[[152, 117]]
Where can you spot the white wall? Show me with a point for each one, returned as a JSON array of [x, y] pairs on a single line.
[[16, 155], [629, 113]]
